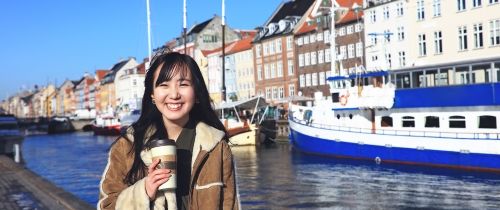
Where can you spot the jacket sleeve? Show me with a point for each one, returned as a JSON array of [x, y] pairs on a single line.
[[114, 193], [231, 197]]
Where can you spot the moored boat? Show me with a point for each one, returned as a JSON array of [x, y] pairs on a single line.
[[11, 139], [106, 125], [432, 115]]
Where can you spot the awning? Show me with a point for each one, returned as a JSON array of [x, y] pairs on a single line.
[[250, 103]]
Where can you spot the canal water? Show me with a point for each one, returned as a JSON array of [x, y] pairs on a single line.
[[278, 177]]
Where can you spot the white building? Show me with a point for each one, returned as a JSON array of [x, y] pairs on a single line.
[[129, 85]]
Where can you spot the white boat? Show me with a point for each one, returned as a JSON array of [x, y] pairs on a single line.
[[106, 125], [11, 139], [242, 131], [445, 115]]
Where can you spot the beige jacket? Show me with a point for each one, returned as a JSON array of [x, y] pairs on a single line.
[[213, 185]]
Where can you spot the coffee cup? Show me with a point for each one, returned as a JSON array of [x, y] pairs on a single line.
[[166, 151]]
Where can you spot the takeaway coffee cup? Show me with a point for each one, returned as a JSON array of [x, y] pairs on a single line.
[[166, 151]]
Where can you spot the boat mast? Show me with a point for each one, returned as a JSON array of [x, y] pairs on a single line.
[[184, 25], [223, 96], [333, 34], [148, 15]]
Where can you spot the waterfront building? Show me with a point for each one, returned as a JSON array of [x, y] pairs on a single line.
[[85, 97], [214, 74], [66, 98], [241, 56], [99, 76], [130, 87], [273, 51], [313, 47], [108, 90]]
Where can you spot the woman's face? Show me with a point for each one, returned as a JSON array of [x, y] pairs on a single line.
[[174, 98]]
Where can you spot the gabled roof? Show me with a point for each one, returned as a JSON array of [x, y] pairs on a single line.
[[227, 48], [241, 45], [290, 8], [199, 27], [350, 15], [110, 76], [100, 73]]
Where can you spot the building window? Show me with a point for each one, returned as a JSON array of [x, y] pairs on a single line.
[[401, 33], [268, 93], [307, 59], [259, 72], [357, 27], [327, 56], [438, 42], [314, 78], [308, 80], [281, 92], [278, 45], [386, 121], [350, 29], [494, 1], [359, 49], [312, 38], [461, 5], [302, 80], [301, 60], [266, 52], [271, 48], [289, 41], [402, 58], [399, 8], [457, 122], [322, 78], [299, 41], [327, 36], [462, 38], [350, 50], [291, 90], [279, 68], [386, 12], [476, 3], [313, 58], [387, 35], [319, 37], [306, 39], [436, 4], [290, 67], [373, 40], [495, 31], [487, 121], [408, 122], [266, 71], [273, 70], [320, 56], [343, 52], [373, 16], [432, 122], [478, 35], [388, 60], [421, 45], [420, 10]]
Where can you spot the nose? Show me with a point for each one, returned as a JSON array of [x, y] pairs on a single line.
[[174, 92]]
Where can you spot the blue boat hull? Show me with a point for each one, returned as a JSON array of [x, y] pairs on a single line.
[[319, 146]]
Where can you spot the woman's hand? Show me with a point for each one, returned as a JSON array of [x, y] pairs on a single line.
[[155, 178]]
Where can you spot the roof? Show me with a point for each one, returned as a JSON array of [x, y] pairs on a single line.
[[228, 47], [241, 45], [110, 76], [291, 8], [251, 103], [199, 27], [350, 15], [100, 73]]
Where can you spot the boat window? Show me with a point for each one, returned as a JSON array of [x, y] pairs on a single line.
[[350, 116], [481, 73], [386, 121], [442, 78], [408, 122], [338, 116], [9, 126], [487, 121], [457, 122], [462, 75], [432, 122], [335, 97], [403, 80]]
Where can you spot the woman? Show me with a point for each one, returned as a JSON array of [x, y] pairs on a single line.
[[175, 105]]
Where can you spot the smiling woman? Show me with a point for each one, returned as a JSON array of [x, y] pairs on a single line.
[[175, 106]]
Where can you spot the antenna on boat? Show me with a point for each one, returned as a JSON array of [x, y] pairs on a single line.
[[184, 25]]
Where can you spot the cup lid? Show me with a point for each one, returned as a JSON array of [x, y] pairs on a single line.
[[160, 142]]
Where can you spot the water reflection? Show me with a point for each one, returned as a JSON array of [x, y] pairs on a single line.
[[280, 178]]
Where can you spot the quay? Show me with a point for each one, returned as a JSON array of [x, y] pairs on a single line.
[[22, 189]]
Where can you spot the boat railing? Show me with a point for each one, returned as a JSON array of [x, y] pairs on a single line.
[[436, 134]]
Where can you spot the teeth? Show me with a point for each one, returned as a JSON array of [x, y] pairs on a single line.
[[173, 106]]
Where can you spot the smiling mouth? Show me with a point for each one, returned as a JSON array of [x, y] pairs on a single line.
[[174, 107]]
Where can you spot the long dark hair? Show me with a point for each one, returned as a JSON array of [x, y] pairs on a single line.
[[203, 111]]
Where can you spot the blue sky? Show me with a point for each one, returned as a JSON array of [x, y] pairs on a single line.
[[49, 41]]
